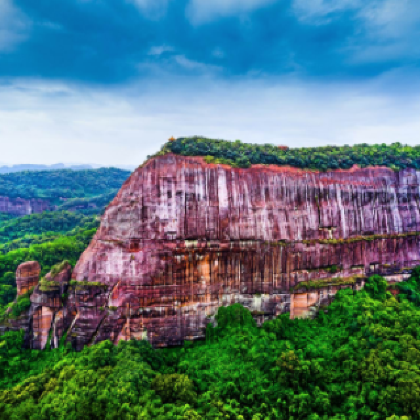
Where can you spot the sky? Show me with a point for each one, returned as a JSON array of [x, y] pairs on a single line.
[[109, 81]]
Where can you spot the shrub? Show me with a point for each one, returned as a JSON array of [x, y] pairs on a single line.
[[58, 268], [174, 388], [395, 156], [376, 287]]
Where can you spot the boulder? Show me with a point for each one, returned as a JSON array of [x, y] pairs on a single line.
[[27, 276]]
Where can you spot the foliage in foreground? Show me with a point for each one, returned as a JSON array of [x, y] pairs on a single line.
[[395, 156], [359, 360]]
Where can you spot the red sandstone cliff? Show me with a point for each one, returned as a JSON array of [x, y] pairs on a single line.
[[183, 237]]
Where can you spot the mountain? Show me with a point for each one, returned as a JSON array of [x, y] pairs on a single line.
[[183, 237], [5, 169], [29, 192]]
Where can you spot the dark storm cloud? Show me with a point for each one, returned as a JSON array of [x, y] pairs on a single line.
[[110, 41]]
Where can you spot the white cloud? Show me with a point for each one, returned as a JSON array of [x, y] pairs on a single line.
[[392, 17], [160, 49], [50, 123], [320, 11], [392, 29], [193, 65], [201, 11], [175, 62], [387, 29], [152, 9], [14, 26]]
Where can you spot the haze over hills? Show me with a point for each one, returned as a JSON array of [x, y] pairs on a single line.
[[4, 169]]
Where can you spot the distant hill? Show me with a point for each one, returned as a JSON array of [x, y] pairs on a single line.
[[58, 184], [86, 190], [7, 169], [31, 167]]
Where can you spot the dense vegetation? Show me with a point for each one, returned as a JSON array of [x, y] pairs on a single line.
[[47, 237], [395, 156], [47, 254], [359, 359], [89, 205], [62, 183], [52, 236], [44, 223]]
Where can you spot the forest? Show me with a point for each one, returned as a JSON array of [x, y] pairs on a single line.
[[46, 222], [54, 185], [238, 154], [358, 359], [48, 237], [52, 236]]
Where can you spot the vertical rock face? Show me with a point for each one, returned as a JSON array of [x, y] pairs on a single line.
[[183, 238], [49, 313], [22, 207], [27, 276]]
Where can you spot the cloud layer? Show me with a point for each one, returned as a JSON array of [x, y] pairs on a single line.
[[109, 41], [14, 26], [47, 123], [106, 81]]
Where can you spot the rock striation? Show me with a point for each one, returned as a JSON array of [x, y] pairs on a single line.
[[183, 237], [27, 276], [50, 314]]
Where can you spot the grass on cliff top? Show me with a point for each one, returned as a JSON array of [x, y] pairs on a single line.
[[48, 285], [358, 360], [395, 156], [57, 268], [320, 283], [86, 284]]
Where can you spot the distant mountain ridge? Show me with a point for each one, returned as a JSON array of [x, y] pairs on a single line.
[[88, 190], [7, 169], [33, 167]]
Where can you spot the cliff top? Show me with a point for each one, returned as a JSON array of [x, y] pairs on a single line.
[[238, 154]]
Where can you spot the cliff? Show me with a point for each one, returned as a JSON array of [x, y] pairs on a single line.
[[183, 237]]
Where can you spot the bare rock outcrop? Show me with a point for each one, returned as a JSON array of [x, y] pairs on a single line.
[[46, 314], [27, 276], [183, 237]]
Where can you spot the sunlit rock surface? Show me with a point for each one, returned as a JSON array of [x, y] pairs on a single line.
[[27, 276]]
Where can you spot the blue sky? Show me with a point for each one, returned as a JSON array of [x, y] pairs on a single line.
[[108, 81]]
